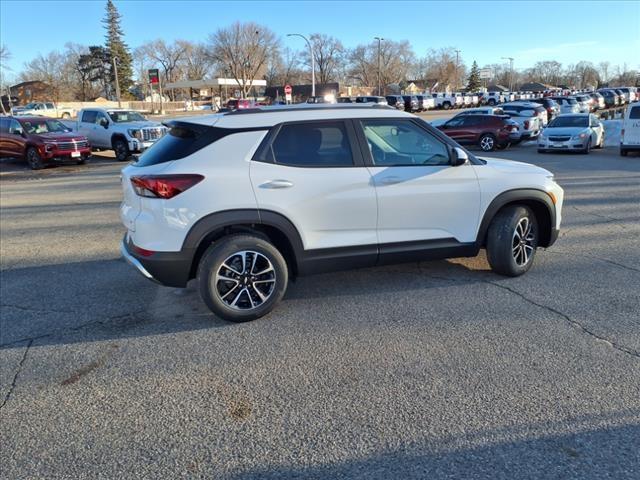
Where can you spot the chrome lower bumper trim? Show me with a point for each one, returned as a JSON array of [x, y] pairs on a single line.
[[134, 262]]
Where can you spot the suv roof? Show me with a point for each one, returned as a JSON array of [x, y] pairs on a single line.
[[269, 116]]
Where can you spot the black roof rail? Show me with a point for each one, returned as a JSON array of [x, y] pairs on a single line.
[[307, 107]]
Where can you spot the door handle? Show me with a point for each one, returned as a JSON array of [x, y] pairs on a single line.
[[276, 184], [389, 180]]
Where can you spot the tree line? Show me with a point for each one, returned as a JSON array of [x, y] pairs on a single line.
[[246, 50]]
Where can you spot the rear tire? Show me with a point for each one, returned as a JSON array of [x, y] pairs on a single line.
[[623, 152], [228, 270], [66, 115], [446, 105], [512, 241], [34, 159], [541, 151]]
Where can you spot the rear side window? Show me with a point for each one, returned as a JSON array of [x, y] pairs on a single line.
[[182, 140], [634, 114], [89, 116], [314, 144]]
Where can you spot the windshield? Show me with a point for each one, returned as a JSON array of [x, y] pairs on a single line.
[[44, 126], [570, 122], [572, 101], [126, 116]]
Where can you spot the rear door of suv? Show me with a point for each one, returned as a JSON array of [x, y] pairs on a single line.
[[312, 172]]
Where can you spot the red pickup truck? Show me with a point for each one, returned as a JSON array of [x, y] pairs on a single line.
[[41, 140]]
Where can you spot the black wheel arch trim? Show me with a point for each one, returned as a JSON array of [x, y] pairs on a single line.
[[526, 196]]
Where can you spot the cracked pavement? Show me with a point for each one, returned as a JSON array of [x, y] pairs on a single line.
[[429, 370]]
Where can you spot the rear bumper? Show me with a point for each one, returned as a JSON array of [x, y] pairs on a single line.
[[555, 232], [170, 269], [630, 148]]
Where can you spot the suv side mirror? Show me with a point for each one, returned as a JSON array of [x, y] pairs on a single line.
[[458, 157], [104, 122]]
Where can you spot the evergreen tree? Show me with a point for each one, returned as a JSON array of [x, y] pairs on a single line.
[[474, 83], [116, 48]]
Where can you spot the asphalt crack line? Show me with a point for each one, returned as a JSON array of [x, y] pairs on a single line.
[[29, 309], [17, 374], [571, 321], [102, 321], [561, 252], [615, 221]]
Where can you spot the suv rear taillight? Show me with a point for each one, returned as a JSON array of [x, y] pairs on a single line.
[[164, 186]]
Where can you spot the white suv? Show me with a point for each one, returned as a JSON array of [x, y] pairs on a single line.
[[244, 201]]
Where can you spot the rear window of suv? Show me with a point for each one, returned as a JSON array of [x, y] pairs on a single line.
[[182, 140], [634, 114], [313, 144]]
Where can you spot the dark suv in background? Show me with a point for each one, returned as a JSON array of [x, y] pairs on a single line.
[[487, 131], [550, 105], [395, 101], [411, 103]]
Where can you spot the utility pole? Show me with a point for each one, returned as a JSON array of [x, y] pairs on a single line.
[[379, 40], [457, 60], [510, 72], [313, 62], [115, 72]]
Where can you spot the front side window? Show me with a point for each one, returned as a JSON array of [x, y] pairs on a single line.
[[50, 106], [313, 144], [634, 114], [403, 143]]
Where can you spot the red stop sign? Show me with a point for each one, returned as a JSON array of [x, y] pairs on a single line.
[[287, 89]]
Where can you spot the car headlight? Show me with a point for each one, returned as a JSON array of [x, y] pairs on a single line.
[[135, 134], [580, 136]]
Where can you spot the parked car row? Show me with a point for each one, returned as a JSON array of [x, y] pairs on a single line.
[[43, 140]]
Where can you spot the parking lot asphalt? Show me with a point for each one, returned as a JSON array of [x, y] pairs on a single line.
[[430, 370]]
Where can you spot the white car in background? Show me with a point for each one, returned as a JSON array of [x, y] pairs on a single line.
[[572, 132], [530, 117], [567, 104], [630, 137], [493, 98]]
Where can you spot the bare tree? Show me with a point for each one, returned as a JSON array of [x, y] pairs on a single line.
[[243, 49], [328, 54], [196, 62], [5, 56], [396, 60], [604, 71], [168, 55]]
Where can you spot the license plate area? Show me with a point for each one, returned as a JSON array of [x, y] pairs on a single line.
[[75, 154]]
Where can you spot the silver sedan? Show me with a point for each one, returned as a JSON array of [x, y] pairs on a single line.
[[572, 132]]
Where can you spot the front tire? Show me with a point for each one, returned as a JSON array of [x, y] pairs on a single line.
[[512, 241], [242, 277], [623, 152], [34, 159], [487, 142], [121, 149], [587, 149]]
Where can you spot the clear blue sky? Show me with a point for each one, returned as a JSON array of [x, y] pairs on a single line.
[[484, 31]]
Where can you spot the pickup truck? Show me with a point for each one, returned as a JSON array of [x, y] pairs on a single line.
[[447, 100], [45, 109], [124, 131]]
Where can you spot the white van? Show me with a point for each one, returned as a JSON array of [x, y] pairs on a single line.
[[630, 136]]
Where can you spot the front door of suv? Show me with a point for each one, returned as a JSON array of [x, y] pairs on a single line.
[[421, 196], [313, 174]]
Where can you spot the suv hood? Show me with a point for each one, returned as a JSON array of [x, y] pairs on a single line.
[[509, 166]]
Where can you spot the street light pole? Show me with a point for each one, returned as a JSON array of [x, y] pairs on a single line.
[[313, 62], [115, 71], [510, 72], [457, 61], [379, 40]]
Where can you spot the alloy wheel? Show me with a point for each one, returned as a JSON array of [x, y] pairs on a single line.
[[487, 143], [245, 280], [522, 242]]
